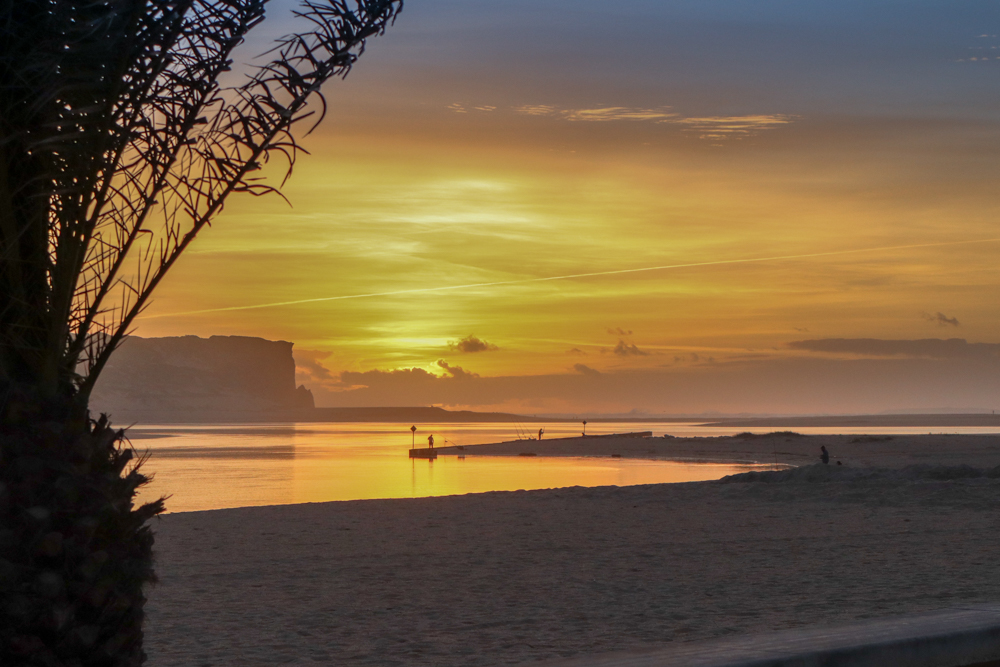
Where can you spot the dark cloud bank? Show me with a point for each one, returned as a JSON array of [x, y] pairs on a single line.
[[883, 375], [623, 349], [472, 344]]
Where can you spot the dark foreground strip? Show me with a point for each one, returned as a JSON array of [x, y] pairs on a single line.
[[965, 636]]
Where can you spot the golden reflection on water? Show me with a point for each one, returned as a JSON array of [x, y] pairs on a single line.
[[213, 467]]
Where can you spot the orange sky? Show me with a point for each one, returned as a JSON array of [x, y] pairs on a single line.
[[467, 150]]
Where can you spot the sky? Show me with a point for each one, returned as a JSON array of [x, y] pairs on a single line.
[[650, 206]]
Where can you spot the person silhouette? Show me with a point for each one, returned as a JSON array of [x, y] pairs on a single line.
[[540, 431], [825, 456], [430, 441]]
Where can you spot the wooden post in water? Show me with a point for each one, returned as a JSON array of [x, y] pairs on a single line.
[[413, 437]]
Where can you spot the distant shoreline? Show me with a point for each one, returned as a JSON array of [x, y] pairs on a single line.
[[427, 415], [860, 421]]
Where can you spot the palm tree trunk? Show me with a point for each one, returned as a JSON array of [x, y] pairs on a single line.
[[74, 550]]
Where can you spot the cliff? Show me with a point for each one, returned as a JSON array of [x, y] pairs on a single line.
[[182, 377]]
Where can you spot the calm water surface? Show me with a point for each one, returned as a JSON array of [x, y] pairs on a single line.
[[217, 466]]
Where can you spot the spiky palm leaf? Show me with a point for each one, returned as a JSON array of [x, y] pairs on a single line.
[[118, 145]]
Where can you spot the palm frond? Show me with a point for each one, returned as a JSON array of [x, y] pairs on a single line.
[[118, 145]]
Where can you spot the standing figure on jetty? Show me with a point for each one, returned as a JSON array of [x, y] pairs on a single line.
[[824, 457], [540, 431], [430, 441]]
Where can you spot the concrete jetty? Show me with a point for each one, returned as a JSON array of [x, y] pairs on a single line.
[[424, 453]]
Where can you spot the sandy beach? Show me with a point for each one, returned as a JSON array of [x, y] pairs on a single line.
[[783, 447], [510, 578]]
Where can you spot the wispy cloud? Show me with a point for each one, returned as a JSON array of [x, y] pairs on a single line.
[[727, 127], [941, 319], [458, 107], [585, 370], [707, 127], [616, 113], [982, 52], [598, 114], [696, 358], [537, 110]]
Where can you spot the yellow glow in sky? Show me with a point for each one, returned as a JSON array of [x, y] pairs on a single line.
[[440, 181]]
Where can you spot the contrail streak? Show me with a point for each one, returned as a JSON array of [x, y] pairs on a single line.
[[594, 274]]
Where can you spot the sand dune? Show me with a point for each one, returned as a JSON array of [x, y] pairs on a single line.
[[508, 578]]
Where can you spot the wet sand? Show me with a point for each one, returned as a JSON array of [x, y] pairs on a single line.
[[510, 578]]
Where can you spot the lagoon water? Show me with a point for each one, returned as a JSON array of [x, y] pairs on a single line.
[[204, 467]]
